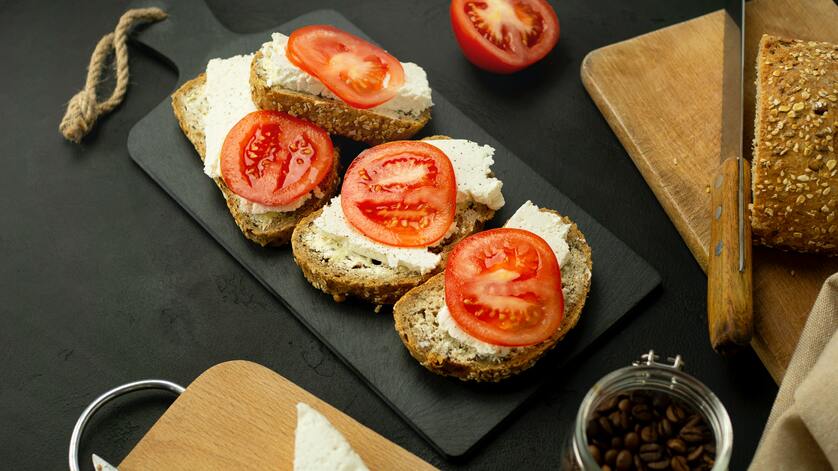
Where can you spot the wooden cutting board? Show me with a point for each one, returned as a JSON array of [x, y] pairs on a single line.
[[661, 94], [240, 415]]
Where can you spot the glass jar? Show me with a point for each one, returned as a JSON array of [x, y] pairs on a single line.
[[650, 376]]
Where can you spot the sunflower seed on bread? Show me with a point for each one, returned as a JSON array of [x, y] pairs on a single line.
[[795, 165]]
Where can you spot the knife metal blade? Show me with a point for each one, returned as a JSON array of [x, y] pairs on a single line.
[[729, 296], [100, 464], [733, 97]]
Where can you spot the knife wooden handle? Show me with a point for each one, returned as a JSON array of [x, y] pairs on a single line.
[[729, 296]]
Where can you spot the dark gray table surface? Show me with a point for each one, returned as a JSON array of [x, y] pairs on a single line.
[[104, 279]]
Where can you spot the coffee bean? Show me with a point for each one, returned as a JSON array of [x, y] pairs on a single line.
[[649, 434], [607, 405], [692, 434], [665, 428], [695, 453], [605, 426], [658, 465], [642, 412], [660, 401], [650, 452], [679, 463], [592, 430], [677, 445], [614, 418], [595, 453], [623, 462], [693, 420], [625, 420], [649, 431], [675, 414], [611, 456], [632, 440], [605, 467]]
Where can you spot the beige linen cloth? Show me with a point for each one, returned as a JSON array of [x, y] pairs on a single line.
[[802, 430]]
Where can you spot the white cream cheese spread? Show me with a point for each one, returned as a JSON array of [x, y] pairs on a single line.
[[546, 225], [413, 98], [472, 168], [228, 101]]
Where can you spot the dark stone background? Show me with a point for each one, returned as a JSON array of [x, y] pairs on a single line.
[[104, 279]]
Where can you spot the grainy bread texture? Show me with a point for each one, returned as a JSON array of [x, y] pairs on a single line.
[[334, 116], [415, 318], [795, 164], [190, 107], [341, 275]]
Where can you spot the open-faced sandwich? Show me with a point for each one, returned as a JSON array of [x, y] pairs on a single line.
[[402, 206], [342, 83], [507, 296], [272, 168]]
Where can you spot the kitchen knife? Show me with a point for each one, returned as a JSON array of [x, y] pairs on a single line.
[[101, 465], [729, 296]]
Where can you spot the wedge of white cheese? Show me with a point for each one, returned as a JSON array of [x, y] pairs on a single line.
[[319, 446]]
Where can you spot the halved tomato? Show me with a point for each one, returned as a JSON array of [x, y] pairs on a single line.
[[504, 36], [273, 158], [361, 74], [401, 193], [504, 286]]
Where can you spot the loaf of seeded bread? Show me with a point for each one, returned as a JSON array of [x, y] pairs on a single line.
[[335, 116], [794, 179], [434, 348], [190, 107]]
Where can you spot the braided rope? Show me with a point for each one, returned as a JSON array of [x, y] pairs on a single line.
[[83, 109]]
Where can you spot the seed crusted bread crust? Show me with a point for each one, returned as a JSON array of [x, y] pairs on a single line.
[[415, 318], [795, 165], [375, 283], [334, 116], [190, 107]]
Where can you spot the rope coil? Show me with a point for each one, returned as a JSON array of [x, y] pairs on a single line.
[[84, 108]]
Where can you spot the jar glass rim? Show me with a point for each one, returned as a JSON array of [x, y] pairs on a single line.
[[663, 379]]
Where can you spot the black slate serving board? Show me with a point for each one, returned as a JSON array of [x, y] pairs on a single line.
[[453, 416]]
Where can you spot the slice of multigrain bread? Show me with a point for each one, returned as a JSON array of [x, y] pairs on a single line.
[[795, 165], [340, 274], [335, 116], [275, 228], [416, 323]]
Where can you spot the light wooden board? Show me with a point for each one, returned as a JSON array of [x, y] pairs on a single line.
[[240, 415], [661, 94]]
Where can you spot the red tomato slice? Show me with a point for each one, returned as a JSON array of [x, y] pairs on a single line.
[[273, 158], [504, 286], [361, 74], [504, 36], [401, 193]]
